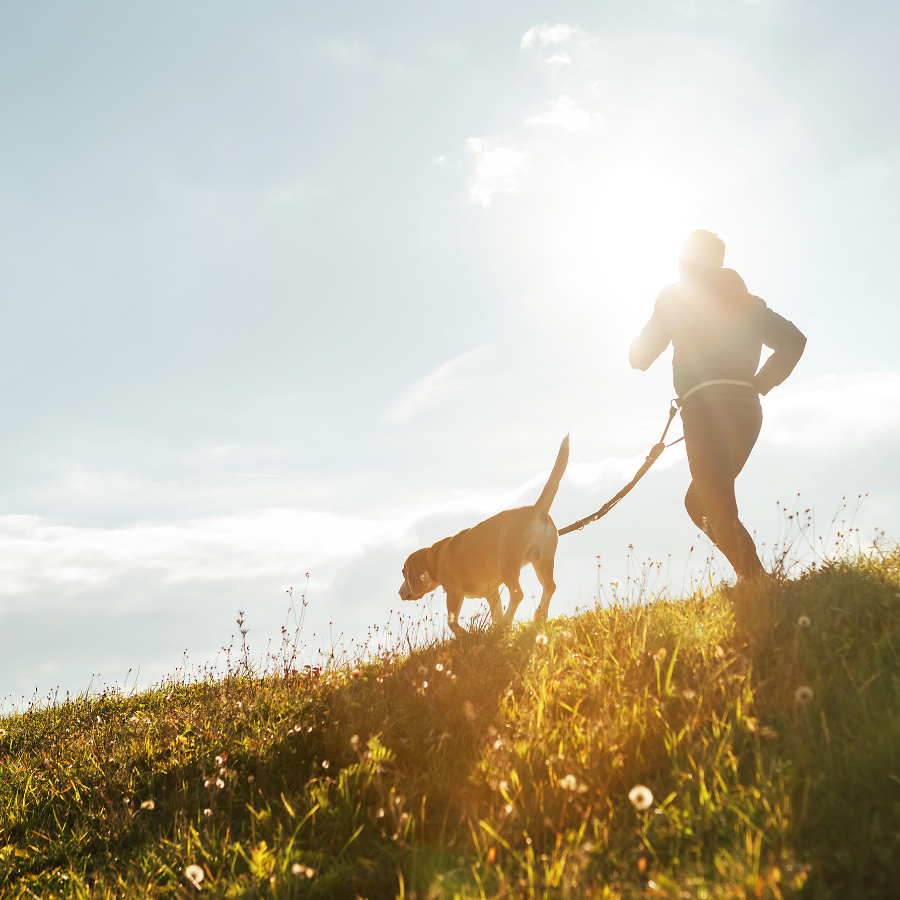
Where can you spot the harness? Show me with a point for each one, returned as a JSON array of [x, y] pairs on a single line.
[[654, 454]]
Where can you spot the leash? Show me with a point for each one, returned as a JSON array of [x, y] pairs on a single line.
[[652, 457]]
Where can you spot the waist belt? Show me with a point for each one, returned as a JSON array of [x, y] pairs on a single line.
[[704, 384]]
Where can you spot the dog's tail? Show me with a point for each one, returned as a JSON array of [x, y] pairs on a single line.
[[545, 501]]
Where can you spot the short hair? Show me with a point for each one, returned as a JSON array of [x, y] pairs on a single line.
[[705, 248]]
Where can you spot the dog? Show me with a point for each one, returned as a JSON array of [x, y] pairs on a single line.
[[475, 562]]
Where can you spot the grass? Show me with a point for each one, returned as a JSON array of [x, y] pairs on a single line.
[[764, 721]]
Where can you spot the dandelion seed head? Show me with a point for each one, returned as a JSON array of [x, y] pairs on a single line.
[[354, 674], [688, 694], [354, 741], [148, 804], [541, 640], [423, 671], [195, 875], [438, 667], [803, 694], [803, 621], [221, 758], [325, 764], [219, 783], [641, 797], [207, 812]]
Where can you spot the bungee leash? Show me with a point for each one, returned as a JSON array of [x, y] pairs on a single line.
[[653, 455]]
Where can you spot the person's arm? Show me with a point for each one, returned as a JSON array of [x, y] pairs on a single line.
[[787, 342], [655, 337]]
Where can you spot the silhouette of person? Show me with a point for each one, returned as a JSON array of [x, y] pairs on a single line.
[[717, 329]]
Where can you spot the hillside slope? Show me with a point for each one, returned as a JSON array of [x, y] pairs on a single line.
[[763, 722]]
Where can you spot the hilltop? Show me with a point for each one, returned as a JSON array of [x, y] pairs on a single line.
[[760, 726]]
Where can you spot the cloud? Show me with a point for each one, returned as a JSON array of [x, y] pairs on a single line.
[[565, 115], [548, 34], [558, 60], [496, 169], [432, 389], [834, 412]]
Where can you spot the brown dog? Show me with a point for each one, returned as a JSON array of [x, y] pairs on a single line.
[[475, 562]]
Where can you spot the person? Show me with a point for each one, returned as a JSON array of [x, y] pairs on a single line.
[[717, 329]]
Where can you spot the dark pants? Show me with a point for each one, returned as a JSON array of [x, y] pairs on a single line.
[[719, 433]]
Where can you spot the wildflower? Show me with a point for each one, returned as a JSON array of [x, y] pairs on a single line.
[[2, 733], [803, 694], [803, 621], [379, 813], [221, 758], [508, 809], [541, 640], [134, 720], [354, 674], [641, 797], [206, 782], [325, 764], [660, 655], [438, 667], [688, 694], [148, 804], [220, 784], [571, 783], [297, 869], [354, 741], [251, 779], [207, 812], [720, 653], [195, 875]]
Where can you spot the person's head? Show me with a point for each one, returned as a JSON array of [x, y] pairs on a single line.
[[701, 254]]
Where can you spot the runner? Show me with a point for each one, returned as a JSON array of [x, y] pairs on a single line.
[[717, 329]]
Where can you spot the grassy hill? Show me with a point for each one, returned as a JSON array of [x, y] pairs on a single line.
[[764, 722]]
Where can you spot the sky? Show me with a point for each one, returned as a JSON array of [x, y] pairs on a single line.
[[290, 290]]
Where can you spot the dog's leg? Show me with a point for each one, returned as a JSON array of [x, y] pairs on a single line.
[[496, 608], [454, 605], [543, 568], [515, 597]]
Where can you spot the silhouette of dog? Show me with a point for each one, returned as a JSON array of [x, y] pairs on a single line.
[[475, 562]]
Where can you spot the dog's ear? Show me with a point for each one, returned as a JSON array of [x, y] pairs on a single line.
[[429, 562]]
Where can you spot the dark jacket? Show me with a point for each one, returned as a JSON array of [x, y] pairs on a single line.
[[718, 329]]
